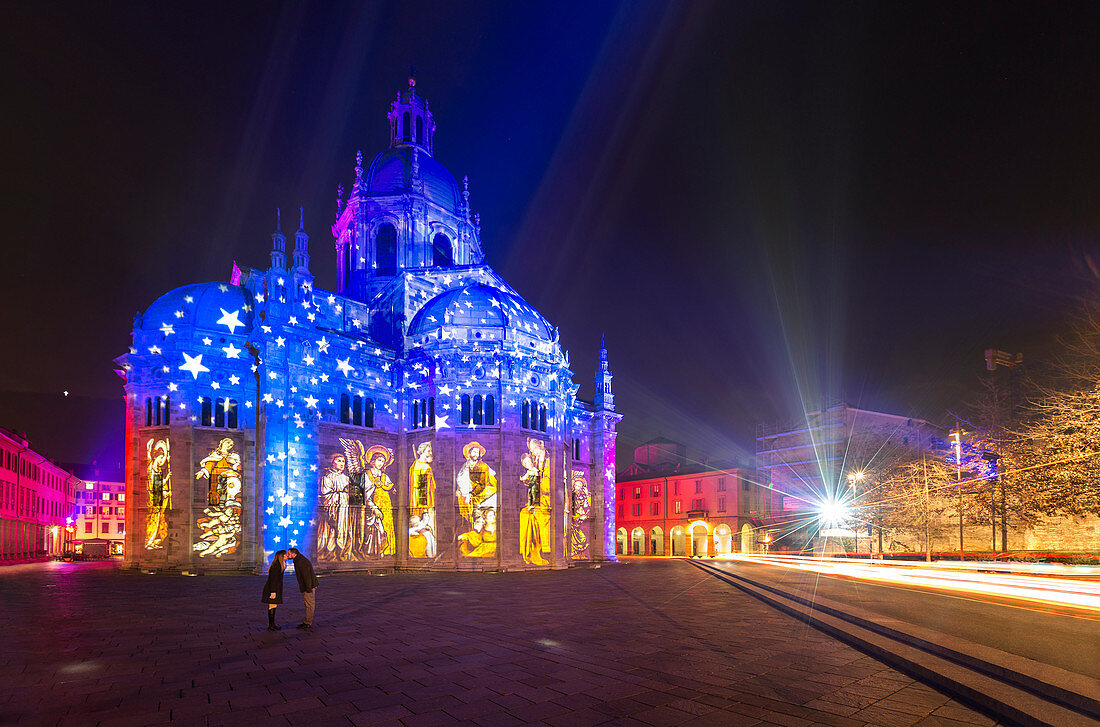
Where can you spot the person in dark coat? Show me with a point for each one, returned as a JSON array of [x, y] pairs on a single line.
[[273, 589], [307, 584]]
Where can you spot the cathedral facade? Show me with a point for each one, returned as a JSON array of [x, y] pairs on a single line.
[[419, 415]]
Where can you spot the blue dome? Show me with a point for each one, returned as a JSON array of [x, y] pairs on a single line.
[[390, 171], [212, 306], [480, 306]]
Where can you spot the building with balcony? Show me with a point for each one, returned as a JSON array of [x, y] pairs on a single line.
[[668, 506]]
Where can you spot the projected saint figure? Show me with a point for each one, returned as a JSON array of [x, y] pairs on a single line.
[[220, 524], [370, 510], [159, 468], [476, 488], [534, 518], [332, 526], [422, 504], [581, 510]]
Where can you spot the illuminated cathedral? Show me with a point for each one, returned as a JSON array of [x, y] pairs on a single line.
[[419, 415]]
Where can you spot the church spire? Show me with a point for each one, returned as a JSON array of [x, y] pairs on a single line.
[[410, 119], [604, 398], [301, 244], [278, 243]]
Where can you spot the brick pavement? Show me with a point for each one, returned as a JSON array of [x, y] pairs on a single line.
[[643, 643]]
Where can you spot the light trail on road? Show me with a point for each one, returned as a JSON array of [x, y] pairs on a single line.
[[1027, 585]]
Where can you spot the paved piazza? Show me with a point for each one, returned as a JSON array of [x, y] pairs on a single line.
[[640, 643]]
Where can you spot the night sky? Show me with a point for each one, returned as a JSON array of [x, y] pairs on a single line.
[[764, 205]]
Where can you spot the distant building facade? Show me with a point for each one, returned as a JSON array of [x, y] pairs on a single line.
[[36, 497], [806, 463], [665, 506]]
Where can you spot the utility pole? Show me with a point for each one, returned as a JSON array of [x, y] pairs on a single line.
[[957, 436]]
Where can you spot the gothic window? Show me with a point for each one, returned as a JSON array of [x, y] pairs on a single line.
[[206, 411], [431, 411], [465, 408], [219, 413], [441, 251], [490, 410], [345, 409], [542, 418], [368, 413], [385, 246], [148, 412], [525, 417], [416, 414], [167, 410], [357, 411], [420, 129], [478, 409], [406, 127], [576, 449], [157, 403]]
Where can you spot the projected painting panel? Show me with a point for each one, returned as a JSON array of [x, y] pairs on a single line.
[[220, 524], [158, 467], [534, 518], [355, 513], [476, 490], [422, 531]]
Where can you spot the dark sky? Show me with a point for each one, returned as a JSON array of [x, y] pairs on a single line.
[[762, 204]]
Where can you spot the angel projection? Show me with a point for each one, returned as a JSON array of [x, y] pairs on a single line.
[[356, 513], [220, 524], [159, 469], [476, 488], [534, 518], [422, 504], [581, 511]]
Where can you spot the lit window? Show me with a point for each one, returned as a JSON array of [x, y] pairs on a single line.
[[637, 493], [122, 496], [88, 486], [676, 507], [106, 496]]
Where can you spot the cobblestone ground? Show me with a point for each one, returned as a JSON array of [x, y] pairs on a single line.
[[642, 643]]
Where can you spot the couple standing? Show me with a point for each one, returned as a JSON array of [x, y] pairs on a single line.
[[273, 589]]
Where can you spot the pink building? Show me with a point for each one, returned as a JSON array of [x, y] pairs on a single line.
[[36, 498]]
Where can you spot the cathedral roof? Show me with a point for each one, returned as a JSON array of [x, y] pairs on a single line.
[[480, 306], [391, 172], [214, 306]]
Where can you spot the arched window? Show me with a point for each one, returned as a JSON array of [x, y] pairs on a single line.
[[206, 411], [406, 127], [219, 413], [345, 409], [420, 129], [490, 410], [368, 414], [167, 410], [357, 411], [423, 412], [525, 416], [477, 409], [148, 412], [385, 246], [431, 411], [465, 408], [231, 413], [416, 414], [542, 418], [441, 251]]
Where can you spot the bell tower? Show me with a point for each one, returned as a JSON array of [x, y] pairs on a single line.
[[411, 122]]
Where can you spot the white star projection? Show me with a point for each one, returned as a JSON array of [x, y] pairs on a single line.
[[230, 320], [344, 366], [194, 365], [232, 351]]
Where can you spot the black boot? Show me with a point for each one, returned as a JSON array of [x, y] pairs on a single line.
[[271, 620]]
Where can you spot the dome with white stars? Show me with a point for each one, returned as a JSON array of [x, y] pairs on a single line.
[[210, 306], [479, 306]]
